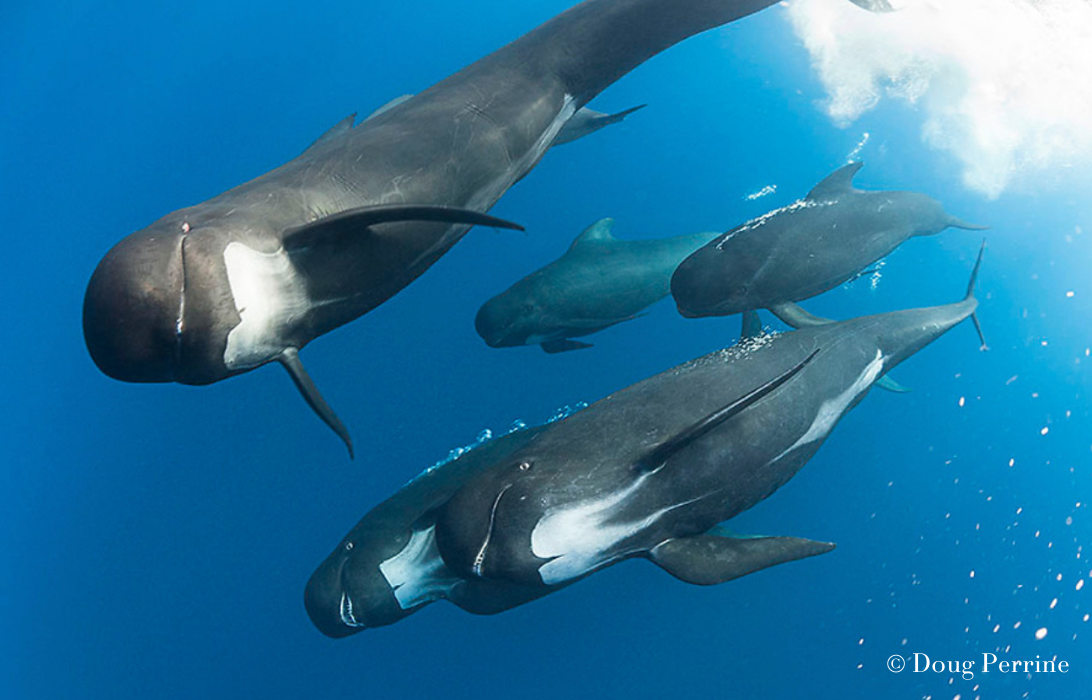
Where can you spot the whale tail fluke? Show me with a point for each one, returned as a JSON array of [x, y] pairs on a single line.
[[970, 295]]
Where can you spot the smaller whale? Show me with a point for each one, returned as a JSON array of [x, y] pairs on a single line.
[[388, 567], [804, 249], [651, 471], [598, 282]]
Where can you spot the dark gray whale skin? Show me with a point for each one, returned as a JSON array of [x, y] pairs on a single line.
[[651, 470], [699, 434], [254, 274], [599, 281], [802, 250], [350, 591]]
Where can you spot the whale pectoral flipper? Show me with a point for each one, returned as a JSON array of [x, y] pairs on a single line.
[[706, 560], [657, 456], [290, 358], [888, 384], [563, 345], [752, 325], [794, 316], [354, 222]]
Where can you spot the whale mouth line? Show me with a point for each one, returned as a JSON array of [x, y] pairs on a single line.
[[479, 559], [345, 610], [345, 607], [180, 321]]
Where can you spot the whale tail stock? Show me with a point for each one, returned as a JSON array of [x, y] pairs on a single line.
[[595, 43]]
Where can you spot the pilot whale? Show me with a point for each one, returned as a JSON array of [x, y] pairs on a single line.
[[598, 282], [387, 567], [804, 249], [251, 276], [653, 469]]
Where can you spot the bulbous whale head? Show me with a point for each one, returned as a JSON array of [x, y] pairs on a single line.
[[158, 307], [711, 283], [343, 597], [132, 310], [483, 532], [504, 320]]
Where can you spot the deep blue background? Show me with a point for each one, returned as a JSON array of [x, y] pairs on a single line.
[[156, 539]]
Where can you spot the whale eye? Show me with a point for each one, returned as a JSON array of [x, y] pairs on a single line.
[[741, 289], [525, 466]]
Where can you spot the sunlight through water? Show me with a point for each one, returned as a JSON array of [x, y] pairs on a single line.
[[1005, 86]]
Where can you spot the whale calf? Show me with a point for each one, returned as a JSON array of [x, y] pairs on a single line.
[[808, 247], [652, 470], [598, 282], [387, 567]]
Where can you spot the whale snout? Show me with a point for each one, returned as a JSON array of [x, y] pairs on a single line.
[[132, 309], [498, 324], [328, 604]]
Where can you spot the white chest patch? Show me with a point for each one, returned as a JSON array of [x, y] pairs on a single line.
[[832, 409], [269, 296], [417, 574], [578, 538]]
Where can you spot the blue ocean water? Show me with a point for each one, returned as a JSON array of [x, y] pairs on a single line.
[[157, 538]]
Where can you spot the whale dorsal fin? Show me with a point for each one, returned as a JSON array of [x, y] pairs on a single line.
[[599, 231], [836, 184], [709, 559], [588, 121], [658, 456], [336, 130]]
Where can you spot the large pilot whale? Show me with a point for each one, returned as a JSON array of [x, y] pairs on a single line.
[[599, 281], [254, 274], [804, 249], [652, 470], [647, 472]]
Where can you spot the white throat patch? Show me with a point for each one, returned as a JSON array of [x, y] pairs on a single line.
[[417, 574], [269, 297]]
